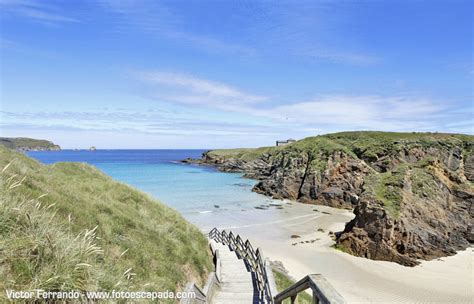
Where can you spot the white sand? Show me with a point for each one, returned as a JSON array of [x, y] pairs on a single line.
[[358, 280]]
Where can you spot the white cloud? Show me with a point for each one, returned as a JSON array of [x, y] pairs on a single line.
[[188, 89], [366, 112], [326, 112]]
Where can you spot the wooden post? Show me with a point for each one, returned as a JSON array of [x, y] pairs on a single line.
[[293, 298], [315, 298]]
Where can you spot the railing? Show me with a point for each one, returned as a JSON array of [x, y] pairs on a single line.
[[264, 281], [323, 292], [213, 282]]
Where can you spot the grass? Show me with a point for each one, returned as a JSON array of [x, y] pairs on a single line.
[[423, 184], [283, 281], [339, 247], [242, 153], [366, 145], [70, 226], [387, 188], [369, 145]]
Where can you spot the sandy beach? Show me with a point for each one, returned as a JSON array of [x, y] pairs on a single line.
[[298, 236]]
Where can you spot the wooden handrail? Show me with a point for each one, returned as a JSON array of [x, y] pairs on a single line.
[[323, 292], [200, 296], [204, 295], [254, 259]]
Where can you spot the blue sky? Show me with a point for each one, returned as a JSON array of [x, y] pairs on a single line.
[[214, 74]]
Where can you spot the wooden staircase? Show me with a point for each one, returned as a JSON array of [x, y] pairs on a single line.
[[244, 276], [236, 284]]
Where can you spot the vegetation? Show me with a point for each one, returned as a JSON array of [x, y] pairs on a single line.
[[27, 143], [339, 247], [242, 153], [367, 145], [423, 184], [283, 281], [387, 188], [69, 226]]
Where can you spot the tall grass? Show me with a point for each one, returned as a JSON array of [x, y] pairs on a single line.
[[70, 227], [37, 252]]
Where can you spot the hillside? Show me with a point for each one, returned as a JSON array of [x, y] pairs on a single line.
[[28, 144], [68, 226], [411, 192]]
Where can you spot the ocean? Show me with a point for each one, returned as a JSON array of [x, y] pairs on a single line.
[[201, 194]]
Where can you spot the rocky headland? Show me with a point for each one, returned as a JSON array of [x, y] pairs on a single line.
[[411, 193], [24, 144]]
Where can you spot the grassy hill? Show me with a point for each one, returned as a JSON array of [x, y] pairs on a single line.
[[363, 144], [68, 226], [27, 144]]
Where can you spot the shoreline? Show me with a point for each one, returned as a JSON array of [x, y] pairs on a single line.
[[291, 236]]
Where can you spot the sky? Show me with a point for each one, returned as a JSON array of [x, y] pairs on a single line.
[[223, 74]]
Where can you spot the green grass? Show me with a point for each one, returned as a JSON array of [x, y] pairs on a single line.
[[70, 226], [283, 281], [387, 188], [423, 184], [23, 142], [367, 145], [242, 153], [339, 247]]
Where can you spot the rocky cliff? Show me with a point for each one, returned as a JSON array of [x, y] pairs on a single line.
[[28, 144], [411, 193]]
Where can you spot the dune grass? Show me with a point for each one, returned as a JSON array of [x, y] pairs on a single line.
[[69, 226]]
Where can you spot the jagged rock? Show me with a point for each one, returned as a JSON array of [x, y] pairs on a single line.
[[469, 168], [454, 159]]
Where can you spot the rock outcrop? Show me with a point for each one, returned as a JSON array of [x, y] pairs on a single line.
[[412, 194]]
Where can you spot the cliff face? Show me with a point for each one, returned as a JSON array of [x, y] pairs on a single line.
[[412, 194], [432, 217]]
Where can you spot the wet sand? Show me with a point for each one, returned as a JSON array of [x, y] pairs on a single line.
[[359, 280]]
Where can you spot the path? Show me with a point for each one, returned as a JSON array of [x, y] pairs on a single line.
[[236, 281]]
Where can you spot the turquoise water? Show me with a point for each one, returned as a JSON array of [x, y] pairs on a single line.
[[198, 192]]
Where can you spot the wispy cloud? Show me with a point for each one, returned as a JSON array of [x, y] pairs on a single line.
[[188, 105], [345, 112], [189, 89], [144, 122], [36, 10], [325, 112], [159, 20], [265, 29], [337, 56]]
